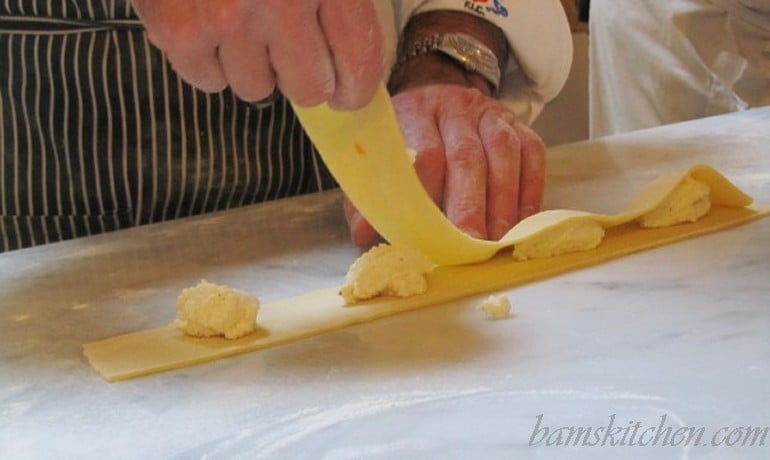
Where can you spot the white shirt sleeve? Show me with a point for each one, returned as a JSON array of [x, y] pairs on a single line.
[[539, 38]]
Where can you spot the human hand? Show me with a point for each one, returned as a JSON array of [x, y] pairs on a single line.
[[313, 50], [476, 160]]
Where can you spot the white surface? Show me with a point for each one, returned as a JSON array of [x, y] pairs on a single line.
[[682, 332]]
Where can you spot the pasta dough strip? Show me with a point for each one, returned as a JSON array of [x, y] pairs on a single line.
[[156, 350]]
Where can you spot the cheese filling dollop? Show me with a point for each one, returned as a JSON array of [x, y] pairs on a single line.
[[211, 310], [386, 270], [688, 202], [579, 234]]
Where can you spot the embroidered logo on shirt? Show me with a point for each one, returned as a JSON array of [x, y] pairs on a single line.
[[482, 7]]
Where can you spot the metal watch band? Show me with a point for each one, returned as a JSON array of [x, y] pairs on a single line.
[[471, 53]]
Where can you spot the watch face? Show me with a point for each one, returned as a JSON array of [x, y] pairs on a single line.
[[471, 49], [474, 55]]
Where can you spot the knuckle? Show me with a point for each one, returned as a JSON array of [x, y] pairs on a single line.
[[529, 139], [497, 125], [223, 17], [466, 150], [532, 142], [503, 135]]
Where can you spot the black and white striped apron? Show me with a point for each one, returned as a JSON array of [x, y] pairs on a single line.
[[97, 133]]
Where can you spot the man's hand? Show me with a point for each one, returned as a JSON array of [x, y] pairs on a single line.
[[477, 161], [481, 165], [314, 50]]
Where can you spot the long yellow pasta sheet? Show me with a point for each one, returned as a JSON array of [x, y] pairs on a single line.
[[317, 312]]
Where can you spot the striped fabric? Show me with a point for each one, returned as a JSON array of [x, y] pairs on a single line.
[[97, 133]]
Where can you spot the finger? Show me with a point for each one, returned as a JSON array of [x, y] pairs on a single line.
[[421, 134], [503, 155], [165, 21], [174, 28], [246, 66], [430, 165], [533, 165], [242, 52], [362, 234], [200, 69], [466, 176], [355, 39], [300, 56]]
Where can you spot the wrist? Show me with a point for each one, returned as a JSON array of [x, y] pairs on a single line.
[[450, 47], [435, 68]]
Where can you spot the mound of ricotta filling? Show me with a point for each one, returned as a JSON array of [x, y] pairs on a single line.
[[214, 310], [386, 270], [569, 236], [688, 202]]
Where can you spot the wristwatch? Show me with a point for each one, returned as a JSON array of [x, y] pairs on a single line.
[[469, 52]]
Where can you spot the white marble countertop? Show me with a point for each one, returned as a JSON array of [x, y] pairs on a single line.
[[670, 338]]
